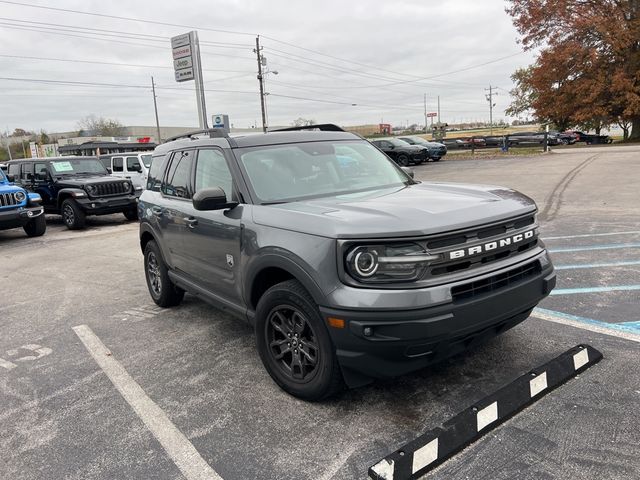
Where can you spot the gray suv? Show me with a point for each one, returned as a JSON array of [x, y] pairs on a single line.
[[348, 269]]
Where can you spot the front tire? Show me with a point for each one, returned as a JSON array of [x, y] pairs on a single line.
[[403, 160], [162, 290], [36, 226], [72, 215], [131, 214], [294, 343]]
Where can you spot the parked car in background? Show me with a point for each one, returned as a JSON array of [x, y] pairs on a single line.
[[494, 140], [131, 165], [401, 152], [564, 138], [469, 142], [532, 138], [75, 187], [436, 150], [589, 138], [20, 209]]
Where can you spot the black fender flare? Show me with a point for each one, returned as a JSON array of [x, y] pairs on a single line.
[[65, 193]]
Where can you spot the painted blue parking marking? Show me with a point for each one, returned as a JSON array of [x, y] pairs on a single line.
[[596, 265], [587, 235], [611, 246], [629, 327], [612, 288]]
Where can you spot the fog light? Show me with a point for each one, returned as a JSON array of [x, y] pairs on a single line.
[[368, 331], [93, 205]]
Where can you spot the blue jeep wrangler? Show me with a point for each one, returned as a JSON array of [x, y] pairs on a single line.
[[18, 208]]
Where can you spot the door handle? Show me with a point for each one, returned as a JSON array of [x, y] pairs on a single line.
[[191, 222], [157, 211]]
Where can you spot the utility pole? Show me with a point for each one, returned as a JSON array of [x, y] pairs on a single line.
[[425, 113], [438, 109], [155, 107], [491, 105], [261, 81]]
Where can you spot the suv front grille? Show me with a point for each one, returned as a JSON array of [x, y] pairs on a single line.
[[496, 282], [465, 240], [111, 188], [8, 200]]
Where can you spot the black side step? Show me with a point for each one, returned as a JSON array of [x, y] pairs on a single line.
[[434, 447]]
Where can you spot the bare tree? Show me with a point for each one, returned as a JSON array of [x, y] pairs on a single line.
[[107, 127]]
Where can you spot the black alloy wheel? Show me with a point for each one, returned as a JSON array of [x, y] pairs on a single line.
[[292, 342], [72, 215], [162, 290], [403, 160]]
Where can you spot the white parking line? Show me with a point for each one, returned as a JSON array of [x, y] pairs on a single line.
[[592, 235], [179, 449]]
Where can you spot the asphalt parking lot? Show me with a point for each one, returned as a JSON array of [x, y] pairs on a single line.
[[61, 416]]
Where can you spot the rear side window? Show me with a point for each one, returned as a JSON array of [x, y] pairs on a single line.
[[177, 180], [133, 164], [117, 164], [154, 181]]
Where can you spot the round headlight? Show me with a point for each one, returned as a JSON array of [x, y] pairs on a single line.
[[366, 263], [91, 189], [20, 196], [126, 186]]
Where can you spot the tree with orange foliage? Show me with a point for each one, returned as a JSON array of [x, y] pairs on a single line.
[[588, 68]]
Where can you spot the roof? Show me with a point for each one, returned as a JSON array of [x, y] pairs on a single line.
[[257, 139], [54, 159]]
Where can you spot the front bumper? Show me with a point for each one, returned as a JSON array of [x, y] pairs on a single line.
[[18, 217], [386, 343], [107, 205]]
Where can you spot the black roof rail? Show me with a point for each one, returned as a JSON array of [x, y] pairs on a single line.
[[323, 127], [213, 133]]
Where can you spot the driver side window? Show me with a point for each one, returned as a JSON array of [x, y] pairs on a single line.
[[212, 171]]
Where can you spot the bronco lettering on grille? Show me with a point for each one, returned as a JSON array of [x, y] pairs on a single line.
[[487, 247]]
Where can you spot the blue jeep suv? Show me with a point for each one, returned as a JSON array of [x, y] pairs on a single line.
[[18, 208]]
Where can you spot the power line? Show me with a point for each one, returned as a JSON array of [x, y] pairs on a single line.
[[22, 57], [131, 19]]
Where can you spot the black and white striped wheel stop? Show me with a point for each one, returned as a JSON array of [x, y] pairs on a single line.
[[435, 446]]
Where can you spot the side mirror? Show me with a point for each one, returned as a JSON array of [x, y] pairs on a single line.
[[408, 171], [109, 170], [391, 147], [11, 178], [211, 199]]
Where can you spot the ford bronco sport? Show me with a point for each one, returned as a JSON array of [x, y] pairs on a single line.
[[18, 208], [75, 187], [347, 268]]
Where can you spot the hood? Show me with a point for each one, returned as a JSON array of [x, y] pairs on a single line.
[[414, 210], [80, 180], [416, 147]]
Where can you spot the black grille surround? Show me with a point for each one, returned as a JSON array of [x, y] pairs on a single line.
[[8, 200], [495, 282], [110, 189]]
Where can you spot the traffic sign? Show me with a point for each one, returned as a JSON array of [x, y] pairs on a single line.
[[432, 114]]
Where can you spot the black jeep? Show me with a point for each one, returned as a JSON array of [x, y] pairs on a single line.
[[75, 187]]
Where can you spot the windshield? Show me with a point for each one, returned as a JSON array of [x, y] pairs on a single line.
[[281, 173], [74, 166], [146, 160]]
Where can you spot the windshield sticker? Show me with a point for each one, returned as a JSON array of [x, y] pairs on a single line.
[[62, 166]]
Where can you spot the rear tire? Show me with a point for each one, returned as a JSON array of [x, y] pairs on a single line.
[[436, 159], [36, 226], [72, 215], [162, 290], [294, 344]]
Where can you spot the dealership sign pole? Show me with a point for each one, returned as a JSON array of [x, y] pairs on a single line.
[[188, 66]]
